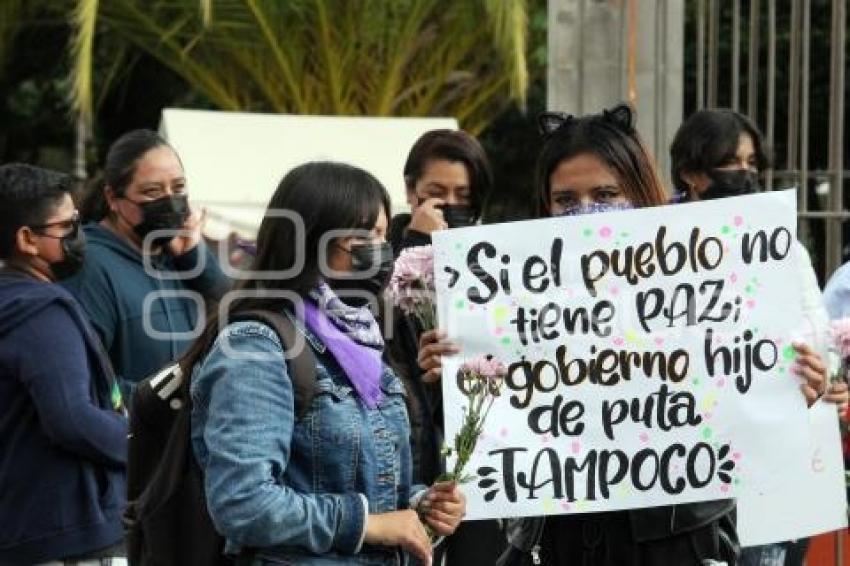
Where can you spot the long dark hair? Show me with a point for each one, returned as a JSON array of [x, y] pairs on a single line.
[[611, 137], [326, 196], [121, 161], [708, 139]]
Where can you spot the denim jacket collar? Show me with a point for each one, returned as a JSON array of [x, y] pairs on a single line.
[[311, 337]]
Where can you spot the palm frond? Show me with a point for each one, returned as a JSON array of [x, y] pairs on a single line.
[[508, 21], [207, 12], [331, 57], [404, 57], [275, 44], [405, 44], [82, 46]]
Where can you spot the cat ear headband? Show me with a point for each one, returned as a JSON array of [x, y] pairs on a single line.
[[620, 116]]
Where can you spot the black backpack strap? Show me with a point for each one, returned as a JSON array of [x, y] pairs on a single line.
[[302, 362]]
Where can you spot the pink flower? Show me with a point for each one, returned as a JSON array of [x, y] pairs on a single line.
[[414, 264], [480, 380], [412, 284], [485, 366], [841, 336]]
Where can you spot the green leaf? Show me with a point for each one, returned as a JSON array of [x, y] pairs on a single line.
[[405, 57]]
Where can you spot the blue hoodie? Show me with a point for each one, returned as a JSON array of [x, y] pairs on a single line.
[[113, 288], [64, 443]]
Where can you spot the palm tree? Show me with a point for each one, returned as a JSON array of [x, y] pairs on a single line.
[[463, 58]]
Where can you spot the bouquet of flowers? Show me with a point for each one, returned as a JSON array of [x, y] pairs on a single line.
[[480, 380], [840, 332], [412, 285]]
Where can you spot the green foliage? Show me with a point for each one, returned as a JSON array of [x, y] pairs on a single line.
[[353, 57], [34, 124]]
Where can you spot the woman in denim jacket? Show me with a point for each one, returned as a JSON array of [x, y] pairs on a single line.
[[332, 487]]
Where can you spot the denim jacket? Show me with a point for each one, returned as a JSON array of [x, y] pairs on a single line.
[[296, 491]]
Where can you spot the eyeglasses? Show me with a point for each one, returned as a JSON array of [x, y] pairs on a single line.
[[73, 225]]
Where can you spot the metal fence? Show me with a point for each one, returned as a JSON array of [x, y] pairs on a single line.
[[754, 26]]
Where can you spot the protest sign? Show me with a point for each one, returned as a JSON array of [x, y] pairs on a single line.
[[649, 354], [810, 497]]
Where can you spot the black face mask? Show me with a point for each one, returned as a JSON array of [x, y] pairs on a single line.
[[364, 259], [457, 215], [730, 183], [166, 213], [73, 252]]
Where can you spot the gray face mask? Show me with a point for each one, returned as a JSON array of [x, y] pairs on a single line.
[[594, 208], [366, 258]]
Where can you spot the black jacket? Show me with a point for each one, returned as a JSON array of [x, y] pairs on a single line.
[[424, 400], [400, 237], [654, 536]]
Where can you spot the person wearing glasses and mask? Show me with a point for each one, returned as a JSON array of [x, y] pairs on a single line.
[[147, 273], [720, 153], [447, 176], [63, 432]]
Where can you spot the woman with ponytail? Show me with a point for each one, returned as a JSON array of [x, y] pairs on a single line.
[[147, 274]]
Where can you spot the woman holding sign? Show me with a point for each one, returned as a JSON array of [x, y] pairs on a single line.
[[596, 164], [720, 153]]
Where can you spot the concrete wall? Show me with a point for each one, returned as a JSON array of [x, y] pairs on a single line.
[[588, 63]]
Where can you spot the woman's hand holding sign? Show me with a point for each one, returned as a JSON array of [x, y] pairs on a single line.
[[811, 367], [432, 346]]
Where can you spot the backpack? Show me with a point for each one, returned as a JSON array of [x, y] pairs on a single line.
[[166, 517]]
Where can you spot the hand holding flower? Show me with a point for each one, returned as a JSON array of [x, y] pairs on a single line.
[[432, 346], [444, 507], [480, 380]]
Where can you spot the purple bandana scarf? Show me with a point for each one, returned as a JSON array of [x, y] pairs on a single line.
[[353, 337]]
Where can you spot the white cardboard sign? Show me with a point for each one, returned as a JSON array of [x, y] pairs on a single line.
[[649, 355]]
